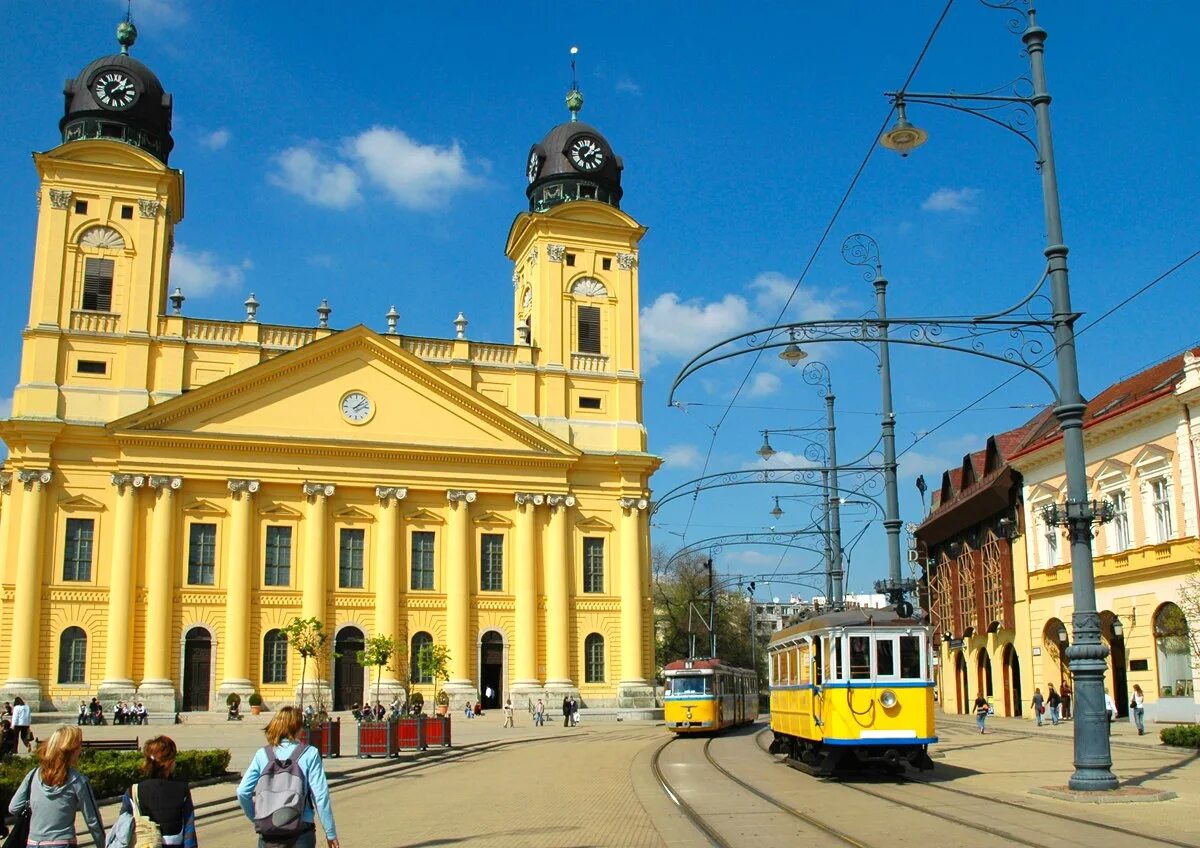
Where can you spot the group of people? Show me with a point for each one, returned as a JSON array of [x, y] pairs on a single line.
[[123, 713], [15, 727], [1057, 703], [282, 792], [570, 708], [376, 713]]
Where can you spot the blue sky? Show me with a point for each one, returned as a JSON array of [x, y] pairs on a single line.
[[374, 154]]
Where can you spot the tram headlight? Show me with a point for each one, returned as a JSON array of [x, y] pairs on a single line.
[[888, 698]]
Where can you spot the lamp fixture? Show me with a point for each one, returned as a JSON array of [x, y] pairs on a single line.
[[777, 511], [766, 451], [1062, 635], [1118, 629], [793, 353], [903, 137]]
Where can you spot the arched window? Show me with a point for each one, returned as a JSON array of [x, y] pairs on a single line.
[[1172, 641], [275, 657], [420, 642], [593, 659], [72, 655]]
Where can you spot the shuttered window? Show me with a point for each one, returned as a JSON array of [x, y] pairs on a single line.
[[97, 284], [589, 329]]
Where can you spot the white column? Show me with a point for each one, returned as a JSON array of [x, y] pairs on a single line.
[[157, 690], [633, 690]]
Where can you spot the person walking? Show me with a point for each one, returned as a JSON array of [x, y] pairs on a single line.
[[22, 718], [574, 712], [282, 733], [1137, 708], [566, 710], [1065, 692], [539, 713], [1038, 704], [162, 799], [55, 791], [508, 713], [1110, 709], [981, 711], [1054, 702]]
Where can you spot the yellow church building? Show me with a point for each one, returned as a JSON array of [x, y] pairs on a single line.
[[178, 489]]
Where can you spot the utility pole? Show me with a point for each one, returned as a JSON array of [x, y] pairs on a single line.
[[712, 613]]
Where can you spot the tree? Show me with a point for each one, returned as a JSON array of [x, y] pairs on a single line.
[[308, 638], [1189, 626], [378, 652], [433, 661]]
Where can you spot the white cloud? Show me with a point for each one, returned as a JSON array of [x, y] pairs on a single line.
[[160, 12], [419, 176], [628, 86], [682, 456], [305, 172], [202, 273], [216, 139], [674, 327], [940, 457], [763, 384], [772, 289], [951, 200]]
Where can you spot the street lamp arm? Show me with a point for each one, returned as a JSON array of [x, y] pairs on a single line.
[[808, 476], [716, 544], [1020, 119]]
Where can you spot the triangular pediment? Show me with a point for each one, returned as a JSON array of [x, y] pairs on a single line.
[[80, 502], [353, 513], [593, 523], [200, 506], [280, 512], [424, 516], [493, 519], [299, 397]]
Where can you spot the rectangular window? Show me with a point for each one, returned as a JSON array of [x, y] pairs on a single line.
[[279, 557], [1122, 538], [77, 560], [593, 564], [571, 260], [910, 657], [885, 657], [1161, 490], [275, 658], [80, 207], [491, 562], [860, 657], [422, 559], [350, 558], [91, 366], [606, 264], [202, 554], [589, 329], [98, 284], [127, 213], [1050, 545], [589, 403]]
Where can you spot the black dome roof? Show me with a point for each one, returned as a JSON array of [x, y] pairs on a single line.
[[558, 179], [145, 123]]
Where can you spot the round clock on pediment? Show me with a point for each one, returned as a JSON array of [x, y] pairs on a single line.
[[356, 407], [114, 89]]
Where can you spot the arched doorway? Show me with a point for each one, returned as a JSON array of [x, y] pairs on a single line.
[[1117, 664], [983, 673], [491, 669], [1172, 648], [960, 682], [1012, 680], [1054, 653], [197, 669], [347, 670]]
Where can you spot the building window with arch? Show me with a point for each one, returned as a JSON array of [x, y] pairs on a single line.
[[77, 558], [275, 657], [593, 564], [72, 656], [588, 322], [491, 562], [202, 554], [1173, 645], [97, 284], [422, 560], [593, 658], [420, 643]]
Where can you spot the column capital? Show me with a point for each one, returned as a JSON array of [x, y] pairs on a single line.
[[556, 501], [59, 199], [126, 482], [5, 482], [164, 482], [312, 490], [461, 496], [531, 498], [31, 477], [387, 494], [634, 504], [240, 488]]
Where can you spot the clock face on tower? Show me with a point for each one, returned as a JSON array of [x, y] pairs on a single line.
[[585, 153], [357, 408], [114, 89], [534, 166]]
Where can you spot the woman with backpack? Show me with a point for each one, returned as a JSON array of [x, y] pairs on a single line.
[[271, 782], [55, 791], [160, 805]]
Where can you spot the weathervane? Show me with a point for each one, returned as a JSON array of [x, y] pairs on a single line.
[[574, 96]]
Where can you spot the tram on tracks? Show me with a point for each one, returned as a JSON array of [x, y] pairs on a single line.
[[706, 696], [852, 686]]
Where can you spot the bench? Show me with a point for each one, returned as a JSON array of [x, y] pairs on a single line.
[[111, 744]]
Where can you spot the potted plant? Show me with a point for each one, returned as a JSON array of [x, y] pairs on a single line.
[[234, 702], [377, 653], [308, 638], [433, 662], [256, 703], [377, 738]]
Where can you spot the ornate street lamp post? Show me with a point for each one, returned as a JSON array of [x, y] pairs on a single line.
[[1087, 652]]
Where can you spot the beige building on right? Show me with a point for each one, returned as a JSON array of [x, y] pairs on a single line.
[[1142, 440]]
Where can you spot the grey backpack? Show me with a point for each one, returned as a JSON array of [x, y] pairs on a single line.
[[279, 797]]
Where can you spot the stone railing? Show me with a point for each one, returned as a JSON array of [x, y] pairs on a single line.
[[288, 338], [198, 330], [596, 362], [493, 354], [423, 348], [94, 322]]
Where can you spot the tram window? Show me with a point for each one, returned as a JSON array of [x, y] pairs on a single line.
[[834, 658], [804, 663], [775, 668], [691, 685], [818, 670], [860, 657], [885, 656], [910, 656]]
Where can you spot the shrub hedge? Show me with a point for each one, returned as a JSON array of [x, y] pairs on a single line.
[[1181, 736], [112, 772]]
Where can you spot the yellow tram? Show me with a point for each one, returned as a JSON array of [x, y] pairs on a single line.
[[852, 685], [704, 696]]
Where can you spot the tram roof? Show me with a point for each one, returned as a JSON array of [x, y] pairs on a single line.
[[856, 617], [696, 665]]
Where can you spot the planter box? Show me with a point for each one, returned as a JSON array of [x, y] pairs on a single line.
[[437, 731], [325, 736], [377, 739], [409, 733]]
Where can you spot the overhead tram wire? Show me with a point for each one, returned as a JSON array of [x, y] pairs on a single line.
[[1120, 305], [716, 428]]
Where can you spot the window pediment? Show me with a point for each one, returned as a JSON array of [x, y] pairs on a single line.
[[1153, 460], [102, 237], [493, 519], [589, 287], [280, 513], [201, 506], [353, 513], [424, 516], [594, 523], [81, 502]]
